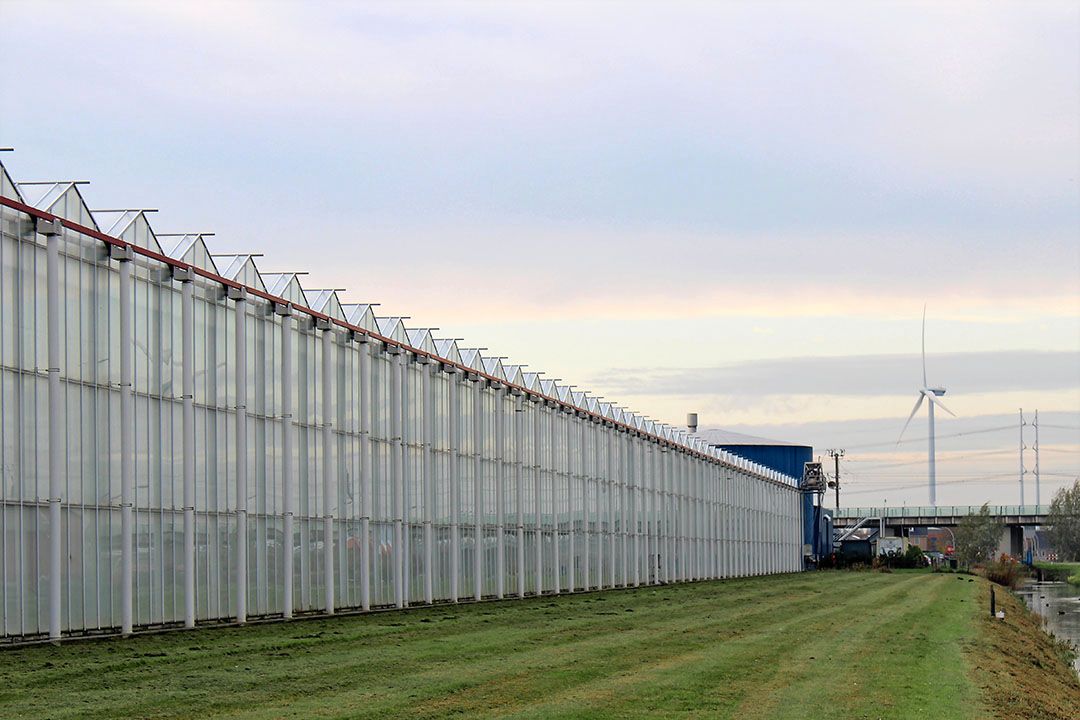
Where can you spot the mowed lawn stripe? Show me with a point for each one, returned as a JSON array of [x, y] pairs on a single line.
[[614, 642], [739, 648], [709, 669], [903, 658]]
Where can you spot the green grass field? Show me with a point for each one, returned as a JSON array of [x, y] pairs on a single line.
[[815, 645]]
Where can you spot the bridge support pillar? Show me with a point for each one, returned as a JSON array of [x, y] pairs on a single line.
[[1016, 541]]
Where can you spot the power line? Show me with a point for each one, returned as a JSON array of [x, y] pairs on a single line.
[[938, 437], [879, 490], [874, 465]]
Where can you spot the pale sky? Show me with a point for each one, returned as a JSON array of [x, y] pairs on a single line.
[[738, 209]]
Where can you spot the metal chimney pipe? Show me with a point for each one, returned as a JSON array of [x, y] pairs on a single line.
[[691, 422]]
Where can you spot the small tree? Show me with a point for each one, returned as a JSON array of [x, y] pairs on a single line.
[[1064, 522], [977, 537]]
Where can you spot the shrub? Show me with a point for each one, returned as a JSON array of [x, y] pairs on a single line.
[[1064, 522], [1006, 570], [977, 537], [910, 558]]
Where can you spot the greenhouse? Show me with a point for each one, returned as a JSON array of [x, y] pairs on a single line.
[[187, 440]]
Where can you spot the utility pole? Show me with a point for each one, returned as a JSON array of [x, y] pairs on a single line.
[[836, 455], [1038, 490]]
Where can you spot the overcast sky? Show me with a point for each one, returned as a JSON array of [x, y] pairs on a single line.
[[733, 208]]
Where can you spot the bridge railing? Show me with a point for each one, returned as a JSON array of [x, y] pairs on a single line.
[[938, 511]]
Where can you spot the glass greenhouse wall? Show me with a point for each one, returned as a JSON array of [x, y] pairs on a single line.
[[185, 440]]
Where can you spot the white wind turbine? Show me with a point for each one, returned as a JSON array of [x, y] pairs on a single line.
[[933, 394]]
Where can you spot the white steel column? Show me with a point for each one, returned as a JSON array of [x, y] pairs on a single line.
[[667, 459], [738, 518], [478, 488], [455, 482], [538, 410], [622, 439], [569, 419], [500, 496], [396, 370], [709, 519], [586, 542], [127, 442], [555, 504], [743, 525], [365, 471], [519, 419], [329, 483], [597, 512], [672, 513], [729, 521], [741, 522], [610, 481], [187, 373], [635, 527], [406, 486], [285, 312], [680, 514], [654, 493], [239, 295], [698, 558], [427, 479], [714, 513], [51, 231], [725, 519]]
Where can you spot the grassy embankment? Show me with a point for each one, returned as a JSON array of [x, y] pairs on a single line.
[[1069, 572], [821, 645]]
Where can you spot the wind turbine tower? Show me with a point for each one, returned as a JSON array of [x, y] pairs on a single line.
[[933, 394]]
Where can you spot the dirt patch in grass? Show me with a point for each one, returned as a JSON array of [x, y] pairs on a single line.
[[1024, 673]]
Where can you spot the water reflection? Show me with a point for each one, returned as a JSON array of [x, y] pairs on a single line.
[[1059, 604]]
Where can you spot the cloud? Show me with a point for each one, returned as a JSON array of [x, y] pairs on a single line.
[[871, 375]]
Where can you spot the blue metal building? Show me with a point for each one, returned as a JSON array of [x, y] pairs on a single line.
[[781, 456]]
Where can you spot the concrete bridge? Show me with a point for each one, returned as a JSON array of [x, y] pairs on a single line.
[[899, 520], [941, 515]]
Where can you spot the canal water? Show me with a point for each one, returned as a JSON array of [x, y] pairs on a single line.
[[1059, 604]]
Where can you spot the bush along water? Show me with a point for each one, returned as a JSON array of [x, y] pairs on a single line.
[[1006, 571]]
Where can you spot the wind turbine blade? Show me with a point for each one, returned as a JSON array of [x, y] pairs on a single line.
[[918, 404], [937, 401], [924, 345]]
